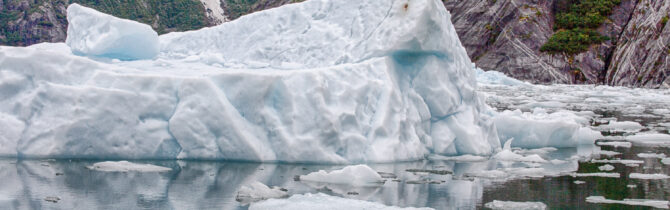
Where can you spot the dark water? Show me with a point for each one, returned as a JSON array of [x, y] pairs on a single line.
[[214, 185]]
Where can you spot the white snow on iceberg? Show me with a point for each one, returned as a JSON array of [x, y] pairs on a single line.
[[92, 33], [376, 81]]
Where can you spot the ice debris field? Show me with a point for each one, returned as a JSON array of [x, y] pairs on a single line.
[[375, 82]]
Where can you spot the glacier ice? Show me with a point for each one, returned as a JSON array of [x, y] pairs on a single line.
[[377, 81], [92, 33]]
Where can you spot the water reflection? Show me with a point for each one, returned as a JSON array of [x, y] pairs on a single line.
[[214, 185]]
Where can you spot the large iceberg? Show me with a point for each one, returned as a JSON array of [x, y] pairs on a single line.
[[327, 81]]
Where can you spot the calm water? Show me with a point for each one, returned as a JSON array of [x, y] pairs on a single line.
[[214, 185]]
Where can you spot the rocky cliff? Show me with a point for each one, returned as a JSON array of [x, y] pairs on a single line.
[[503, 35], [506, 35]]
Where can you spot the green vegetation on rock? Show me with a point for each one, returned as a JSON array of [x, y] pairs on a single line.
[[576, 21]]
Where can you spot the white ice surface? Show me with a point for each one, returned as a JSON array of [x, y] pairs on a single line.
[[606, 167], [632, 202], [648, 176], [625, 162], [665, 161], [541, 129], [621, 126], [496, 204], [651, 155], [650, 138], [357, 175], [461, 158], [600, 174], [321, 201], [376, 81], [92, 33], [615, 143], [125, 166]]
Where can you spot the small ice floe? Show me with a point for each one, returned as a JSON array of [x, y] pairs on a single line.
[[125, 166], [425, 181], [666, 161], [496, 204], [579, 182], [487, 174], [508, 155], [52, 199], [624, 144], [651, 155], [321, 201], [607, 175], [539, 151], [631, 186], [648, 176], [258, 191], [654, 139], [606, 167], [632, 202], [625, 162], [429, 171], [358, 175], [462, 158], [607, 153], [625, 126]]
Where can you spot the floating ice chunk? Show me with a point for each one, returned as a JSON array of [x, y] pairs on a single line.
[[93, 33], [125, 166], [607, 153], [651, 155], [358, 175], [321, 201], [627, 126], [508, 155], [496, 204], [607, 175], [667, 125], [462, 158], [257, 191], [497, 78], [631, 186], [606, 167], [487, 174], [615, 143], [539, 129], [650, 138], [648, 176], [666, 161], [579, 182], [625, 162], [632, 202], [540, 151]]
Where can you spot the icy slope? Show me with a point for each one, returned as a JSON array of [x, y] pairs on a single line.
[[90, 32], [331, 81]]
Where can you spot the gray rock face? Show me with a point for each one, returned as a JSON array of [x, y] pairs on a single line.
[[641, 55], [506, 35]]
